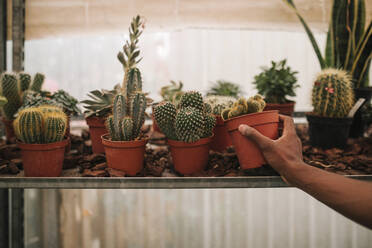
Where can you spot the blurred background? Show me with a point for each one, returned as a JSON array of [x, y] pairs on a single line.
[[75, 42]]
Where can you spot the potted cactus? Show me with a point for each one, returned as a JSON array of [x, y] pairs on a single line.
[[250, 112], [124, 139], [275, 84], [98, 107], [225, 88], [332, 100], [12, 87], [221, 139], [189, 130], [40, 133]]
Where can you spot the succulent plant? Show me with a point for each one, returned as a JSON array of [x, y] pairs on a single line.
[[191, 122], [172, 92], [3, 101], [225, 88], [37, 82], [219, 103], [276, 82], [332, 94], [24, 81], [100, 102], [242, 106], [38, 125], [68, 102]]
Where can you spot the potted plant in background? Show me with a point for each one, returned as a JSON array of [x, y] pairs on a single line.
[[41, 137], [225, 88], [332, 100], [348, 47], [250, 112], [124, 145], [221, 139], [98, 107], [275, 84], [12, 87], [189, 130]]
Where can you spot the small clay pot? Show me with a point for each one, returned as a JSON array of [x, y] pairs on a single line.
[[248, 153], [189, 158], [43, 160], [9, 130], [221, 139], [97, 128], [126, 156], [284, 108]]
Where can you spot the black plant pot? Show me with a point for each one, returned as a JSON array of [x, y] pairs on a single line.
[[325, 132], [358, 126]]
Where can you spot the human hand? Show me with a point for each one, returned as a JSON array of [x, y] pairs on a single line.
[[283, 154]]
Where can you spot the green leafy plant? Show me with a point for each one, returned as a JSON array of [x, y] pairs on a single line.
[[349, 43], [219, 103], [225, 88], [172, 92], [68, 102], [276, 82], [190, 122], [100, 102], [40, 125], [242, 106], [332, 94]]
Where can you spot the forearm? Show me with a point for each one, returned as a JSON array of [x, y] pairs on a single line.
[[352, 198]]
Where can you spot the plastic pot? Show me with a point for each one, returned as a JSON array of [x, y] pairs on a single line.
[[357, 128], [221, 139], [43, 160], [97, 128], [189, 158], [325, 132], [248, 153], [126, 156], [284, 108], [9, 130]]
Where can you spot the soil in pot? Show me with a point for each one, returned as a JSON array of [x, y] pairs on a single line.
[[284, 109], [247, 151], [43, 160], [221, 139], [97, 128], [189, 158], [126, 156], [325, 132], [9, 130], [357, 127]]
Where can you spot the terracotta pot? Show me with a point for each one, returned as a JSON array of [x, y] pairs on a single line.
[[221, 139], [126, 156], [43, 160], [247, 151], [189, 158], [9, 130], [284, 108], [97, 128]]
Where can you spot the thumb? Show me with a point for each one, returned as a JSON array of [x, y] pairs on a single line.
[[262, 141]]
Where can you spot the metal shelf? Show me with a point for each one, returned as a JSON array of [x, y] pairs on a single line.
[[150, 182]]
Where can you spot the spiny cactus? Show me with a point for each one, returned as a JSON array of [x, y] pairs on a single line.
[[191, 122], [219, 103], [332, 94], [38, 125], [24, 81], [9, 89], [37, 83], [240, 107], [173, 92]]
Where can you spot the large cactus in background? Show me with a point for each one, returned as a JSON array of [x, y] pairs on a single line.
[[242, 106], [24, 81], [9, 89], [332, 94], [191, 122], [38, 125], [38, 81]]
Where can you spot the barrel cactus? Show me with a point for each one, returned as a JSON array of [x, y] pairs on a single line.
[[219, 103], [191, 122], [242, 106], [40, 125], [332, 94]]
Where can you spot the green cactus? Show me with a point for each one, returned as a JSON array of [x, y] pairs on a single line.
[[24, 81], [37, 83], [332, 94], [38, 125], [9, 89], [241, 107], [3, 101], [172, 92], [219, 103], [190, 123], [126, 128]]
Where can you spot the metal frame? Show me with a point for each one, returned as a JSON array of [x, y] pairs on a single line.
[[3, 36], [18, 34]]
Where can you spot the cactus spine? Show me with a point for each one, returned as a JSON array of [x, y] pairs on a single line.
[[38, 81], [191, 122], [24, 81], [332, 94], [9, 89], [242, 106], [37, 126]]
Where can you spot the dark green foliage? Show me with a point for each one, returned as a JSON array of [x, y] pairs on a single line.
[[189, 124], [225, 88], [24, 81], [100, 102], [68, 102], [9, 89], [192, 99], [276, 82], [165, 115]]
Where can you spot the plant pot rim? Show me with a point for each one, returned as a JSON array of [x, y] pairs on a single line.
[[43, 147], [203, 141], [315, 116], [123, 144], [231, 126]]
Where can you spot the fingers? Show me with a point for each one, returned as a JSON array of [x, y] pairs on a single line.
[[262, 141], [289, 127]]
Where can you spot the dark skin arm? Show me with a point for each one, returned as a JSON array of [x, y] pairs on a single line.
[[351, 198]]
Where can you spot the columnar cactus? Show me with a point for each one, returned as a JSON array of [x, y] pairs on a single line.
[[9, 89], [38, 81], [332, 94], [38, 125], [24, 81], [191, 122], [242, 106]]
